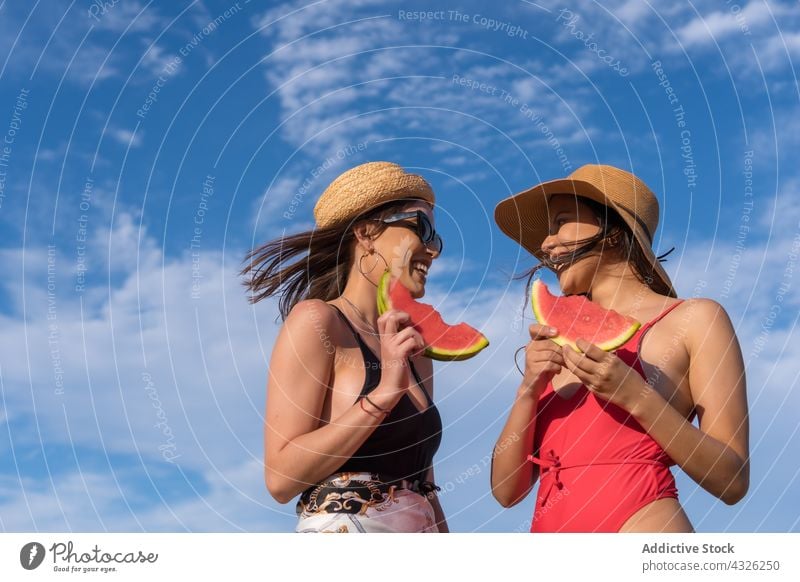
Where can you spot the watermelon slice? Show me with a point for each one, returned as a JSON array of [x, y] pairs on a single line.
[[443, 341], [575, 316]]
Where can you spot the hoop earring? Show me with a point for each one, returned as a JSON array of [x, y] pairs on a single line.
[[361, 269], [516, 353]]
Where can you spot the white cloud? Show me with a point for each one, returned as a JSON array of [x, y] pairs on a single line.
[[91, 501], [276, 199], [633, 12], [638, 32], [156, 59], [332, 91], [126, 137], [82, 61], [780, 50], [130, 16], [720, 24], [207, 358], [767, 27]]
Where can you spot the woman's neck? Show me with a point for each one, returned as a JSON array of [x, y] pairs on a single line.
[[622, 291], [361, 293]]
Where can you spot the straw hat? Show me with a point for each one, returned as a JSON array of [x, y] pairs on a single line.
[[365, 187], [525, 216]]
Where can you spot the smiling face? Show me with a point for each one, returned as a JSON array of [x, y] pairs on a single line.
[[571, 221], [407, 257]]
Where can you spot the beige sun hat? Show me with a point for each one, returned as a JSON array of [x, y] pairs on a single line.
[[367, 186], [525, 216]]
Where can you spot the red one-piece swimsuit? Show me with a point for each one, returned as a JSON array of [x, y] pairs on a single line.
[[597, 464]]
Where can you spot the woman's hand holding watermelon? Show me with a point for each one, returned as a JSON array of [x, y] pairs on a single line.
[[605, 374], [543, 359], [399, 341]]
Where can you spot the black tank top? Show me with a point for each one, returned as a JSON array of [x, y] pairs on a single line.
[[403, 445]]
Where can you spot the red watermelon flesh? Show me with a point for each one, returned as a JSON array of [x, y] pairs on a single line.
[[574, 316], [443, 341]]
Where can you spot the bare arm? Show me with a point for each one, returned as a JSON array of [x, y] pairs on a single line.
[[298, 452], [715, 455], [513, 476]]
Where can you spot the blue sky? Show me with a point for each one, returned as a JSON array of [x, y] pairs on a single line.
[[147, 146]]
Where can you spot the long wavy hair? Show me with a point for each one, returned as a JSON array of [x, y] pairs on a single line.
[[312, 264], [614, 228]]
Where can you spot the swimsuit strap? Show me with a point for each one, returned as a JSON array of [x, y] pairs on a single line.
[[639, 335], [658, 318], [370, 357], [357, 335], [419, 382], [371, 362]]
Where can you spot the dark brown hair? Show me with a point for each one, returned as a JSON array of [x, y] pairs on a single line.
[[614, 228], [619, 231], [320, 274]]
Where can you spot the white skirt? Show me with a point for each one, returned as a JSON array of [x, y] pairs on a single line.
[[360, 503]]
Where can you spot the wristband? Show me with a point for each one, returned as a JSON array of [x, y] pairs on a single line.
[[383, 410], [361, 403]]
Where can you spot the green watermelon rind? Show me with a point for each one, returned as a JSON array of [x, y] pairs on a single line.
[[609, 345], [432, 352]]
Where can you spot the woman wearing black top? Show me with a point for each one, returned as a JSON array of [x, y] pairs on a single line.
[[350, 420]]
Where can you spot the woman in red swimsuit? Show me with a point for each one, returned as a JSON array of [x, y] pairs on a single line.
[[600, 430]]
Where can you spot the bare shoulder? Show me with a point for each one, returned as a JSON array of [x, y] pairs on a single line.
[[312, 318], [311, 312], [704, 305], [709, 321]]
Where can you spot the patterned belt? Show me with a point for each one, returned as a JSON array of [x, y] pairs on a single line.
[[348, 492]]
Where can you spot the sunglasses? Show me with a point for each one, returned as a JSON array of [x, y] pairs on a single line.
[[422, 227]]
